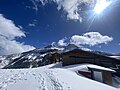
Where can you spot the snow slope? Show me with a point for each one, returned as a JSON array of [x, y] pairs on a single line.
[[47, 78]]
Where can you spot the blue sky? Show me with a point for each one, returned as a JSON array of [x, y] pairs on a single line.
[[41, 24]]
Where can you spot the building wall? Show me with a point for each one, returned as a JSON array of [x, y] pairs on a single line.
[[69, 60], [107, 78], [77, 57]]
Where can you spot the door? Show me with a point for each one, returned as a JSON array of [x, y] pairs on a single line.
[[97, 76]]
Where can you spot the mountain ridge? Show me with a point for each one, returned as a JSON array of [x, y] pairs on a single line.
[[39, 57]]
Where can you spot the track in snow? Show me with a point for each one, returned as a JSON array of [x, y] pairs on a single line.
[[28, 79]]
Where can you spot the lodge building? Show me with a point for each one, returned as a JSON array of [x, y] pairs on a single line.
[[78, 56]]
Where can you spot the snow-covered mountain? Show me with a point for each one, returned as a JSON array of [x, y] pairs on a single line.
[[34, 58], [38, 57]]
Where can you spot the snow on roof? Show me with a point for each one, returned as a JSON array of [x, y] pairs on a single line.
[[77, 67], [100, 68], [116, 57], [84, 67]]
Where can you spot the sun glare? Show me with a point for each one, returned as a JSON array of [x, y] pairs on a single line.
[[101, 5]]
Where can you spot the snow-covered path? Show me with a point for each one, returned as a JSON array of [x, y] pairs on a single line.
[[33, 79], [47, 79]]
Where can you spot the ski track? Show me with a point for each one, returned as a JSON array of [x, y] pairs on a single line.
[[54, 81], [45, 79]]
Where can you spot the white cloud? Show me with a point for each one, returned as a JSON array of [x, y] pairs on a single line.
[[8, 32], [31, 24], [62, 42], [37, 3], [90, 38], [8, 28], [12, 46], [71, 7]]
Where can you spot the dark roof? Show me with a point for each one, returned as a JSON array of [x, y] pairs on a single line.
[[65, 52]]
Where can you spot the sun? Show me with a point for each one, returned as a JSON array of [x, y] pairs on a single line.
[[101, 5]]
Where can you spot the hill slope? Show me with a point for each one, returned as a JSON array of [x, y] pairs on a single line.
[[47, 78]]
